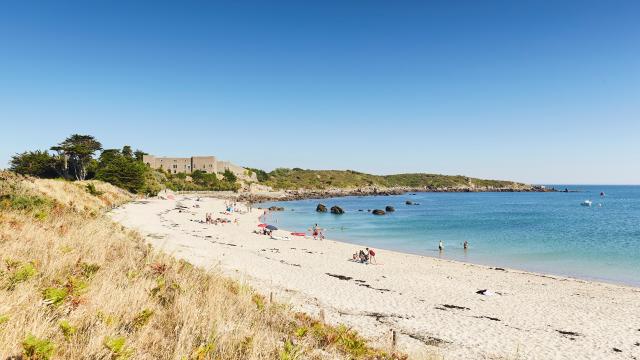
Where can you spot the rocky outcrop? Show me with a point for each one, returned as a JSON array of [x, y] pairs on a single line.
[[337, 210], [389, 209], [301, 194], [378, 212], [321, 208]]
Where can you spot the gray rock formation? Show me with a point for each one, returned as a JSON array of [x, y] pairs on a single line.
[[337, 210]]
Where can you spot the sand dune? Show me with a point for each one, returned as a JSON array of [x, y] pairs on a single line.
[[431, 303]]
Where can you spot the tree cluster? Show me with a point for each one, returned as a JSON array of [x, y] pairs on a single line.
[[75, 159]]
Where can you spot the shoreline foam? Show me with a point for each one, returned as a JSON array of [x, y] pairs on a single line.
[[432, 303]]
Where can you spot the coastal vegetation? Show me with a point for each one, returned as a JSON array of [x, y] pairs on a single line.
[[197, 181], [297, 178], [76, 159], [82, 157], [76, 285]]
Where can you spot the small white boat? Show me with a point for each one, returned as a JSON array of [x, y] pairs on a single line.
[[586, 203]]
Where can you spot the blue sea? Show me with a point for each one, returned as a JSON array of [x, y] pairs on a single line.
[[542, 232]]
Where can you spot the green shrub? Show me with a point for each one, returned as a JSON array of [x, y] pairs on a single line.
[[290, 351], [37, 349], [350, 342], [301, 331], [91, 189], [24, 202], [21, 274], [260, 174], [116, 345], [41, 215], [67, 330], [88, 270], [142, 318], [55, 296]]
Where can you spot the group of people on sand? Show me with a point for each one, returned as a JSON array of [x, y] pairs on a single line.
[[210, 220], [366, 256], [232, 207], [263, 231]]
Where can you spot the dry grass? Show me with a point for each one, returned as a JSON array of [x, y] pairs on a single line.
[[75, 285]]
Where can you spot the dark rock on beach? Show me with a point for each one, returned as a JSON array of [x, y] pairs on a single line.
[[389, 209], [321, 208], [378, 212], [337, 210]]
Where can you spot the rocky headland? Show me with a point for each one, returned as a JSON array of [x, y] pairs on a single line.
[[265, 194]]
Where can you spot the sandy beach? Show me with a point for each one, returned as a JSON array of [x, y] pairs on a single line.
[[432, 304]]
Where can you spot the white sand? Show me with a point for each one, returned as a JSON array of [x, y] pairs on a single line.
[[405, 292]]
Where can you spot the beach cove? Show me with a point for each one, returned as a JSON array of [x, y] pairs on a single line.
[[544, 232], [432, 304]]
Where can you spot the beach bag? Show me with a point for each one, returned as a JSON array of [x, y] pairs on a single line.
[[371, 252]]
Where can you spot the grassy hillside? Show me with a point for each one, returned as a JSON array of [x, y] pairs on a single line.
[[75, 285], [322, 179]]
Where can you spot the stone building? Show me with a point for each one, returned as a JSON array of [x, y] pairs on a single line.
[[207, 164]]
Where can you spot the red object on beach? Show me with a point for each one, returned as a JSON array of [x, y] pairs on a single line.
[[262, 225], [298, 234]]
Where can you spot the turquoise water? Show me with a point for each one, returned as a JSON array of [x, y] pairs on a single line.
[[542, 232]]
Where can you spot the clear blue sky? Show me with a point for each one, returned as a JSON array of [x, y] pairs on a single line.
[[536, 91]]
